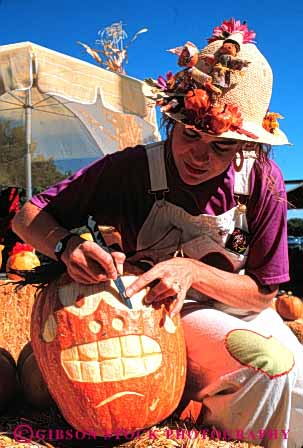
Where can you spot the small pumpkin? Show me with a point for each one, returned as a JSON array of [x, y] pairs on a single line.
[[22, 257], [107, 366], [289, 306], [33, 385]]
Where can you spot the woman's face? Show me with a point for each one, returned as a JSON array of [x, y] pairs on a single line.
[[200, 157]]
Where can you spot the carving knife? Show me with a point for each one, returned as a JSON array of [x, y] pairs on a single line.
[[99, 239]]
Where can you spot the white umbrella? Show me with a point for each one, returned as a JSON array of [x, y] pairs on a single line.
[[70, 109]]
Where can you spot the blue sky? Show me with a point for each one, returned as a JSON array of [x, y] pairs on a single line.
[[58, 24]]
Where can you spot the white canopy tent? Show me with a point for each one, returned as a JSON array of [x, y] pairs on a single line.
[[70, 109]]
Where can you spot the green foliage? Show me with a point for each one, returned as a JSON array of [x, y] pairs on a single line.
[[12, 160], [295, 226]]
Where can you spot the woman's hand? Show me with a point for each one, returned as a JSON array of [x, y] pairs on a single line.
[[87, 263], [175, 277]]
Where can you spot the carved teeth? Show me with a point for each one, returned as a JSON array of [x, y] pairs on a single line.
[[90, 371], [88, 352], [109, 348], [131, 345], [112, 359], [149, 345]]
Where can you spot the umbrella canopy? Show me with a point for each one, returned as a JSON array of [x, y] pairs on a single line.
[[72, 112]]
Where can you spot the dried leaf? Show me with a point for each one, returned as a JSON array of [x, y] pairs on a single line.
[[91, 52]]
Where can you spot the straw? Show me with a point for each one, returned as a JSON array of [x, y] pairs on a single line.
[[15, 315], [167, 435]]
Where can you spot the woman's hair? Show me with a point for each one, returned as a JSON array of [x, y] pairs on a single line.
[[167, 123], [262, 151]]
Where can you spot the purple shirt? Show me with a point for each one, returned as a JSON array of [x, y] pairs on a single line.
[[115, 188]]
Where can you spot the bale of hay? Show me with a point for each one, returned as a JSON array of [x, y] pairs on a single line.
[[15, 315]]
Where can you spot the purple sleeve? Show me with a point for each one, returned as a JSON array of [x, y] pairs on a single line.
[[267, 216], [112, 189]]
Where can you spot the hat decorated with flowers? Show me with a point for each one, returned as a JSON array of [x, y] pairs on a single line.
[[223, 90]]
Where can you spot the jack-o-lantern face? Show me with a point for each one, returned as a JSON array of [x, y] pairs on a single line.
[[100, 359]]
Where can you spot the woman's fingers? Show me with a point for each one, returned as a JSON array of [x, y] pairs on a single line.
[[171, 278], [89, 263], [141, 283], [164, 289], [97, 258], [119, 259]]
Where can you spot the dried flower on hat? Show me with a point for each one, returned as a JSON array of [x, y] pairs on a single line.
[[166, 83], [194, 94], [198, 101], [226, 60], [270, 122], [232, 26]]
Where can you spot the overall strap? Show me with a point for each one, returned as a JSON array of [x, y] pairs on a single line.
[[242, 177], [242, 186], [157, 172]]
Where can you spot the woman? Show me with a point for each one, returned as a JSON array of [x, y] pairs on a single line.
[[200, 208]]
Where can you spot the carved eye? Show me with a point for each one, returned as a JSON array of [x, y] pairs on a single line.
[[80, 300]]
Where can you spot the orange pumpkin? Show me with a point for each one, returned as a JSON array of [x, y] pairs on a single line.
[[108, 367], [289, 307], [22, 257]]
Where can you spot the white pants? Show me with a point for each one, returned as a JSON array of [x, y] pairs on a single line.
[[237, 397]]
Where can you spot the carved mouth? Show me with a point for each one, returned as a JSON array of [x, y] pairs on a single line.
[[114, 359]]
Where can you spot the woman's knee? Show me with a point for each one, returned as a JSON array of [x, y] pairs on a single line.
[[265, 354]]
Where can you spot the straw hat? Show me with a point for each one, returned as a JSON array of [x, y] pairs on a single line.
[[222, 93]]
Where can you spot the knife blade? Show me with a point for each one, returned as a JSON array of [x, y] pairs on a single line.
[[99, 239]]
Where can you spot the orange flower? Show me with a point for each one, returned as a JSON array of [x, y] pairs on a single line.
[[270, 122], [224, 118], [220, 120], [236, 115], [197, 100]]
